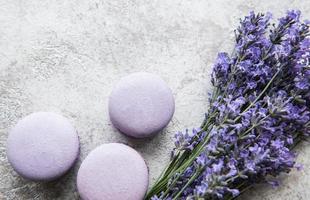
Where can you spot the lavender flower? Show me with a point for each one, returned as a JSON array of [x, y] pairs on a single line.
[[259, 110]]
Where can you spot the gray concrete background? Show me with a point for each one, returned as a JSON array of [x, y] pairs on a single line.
[[66, 55]]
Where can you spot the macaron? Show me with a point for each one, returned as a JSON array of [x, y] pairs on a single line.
[[42, 146], [141, 104], [112, 172]]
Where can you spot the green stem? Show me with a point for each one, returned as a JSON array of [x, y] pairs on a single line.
[[197, 173], [170, 171]]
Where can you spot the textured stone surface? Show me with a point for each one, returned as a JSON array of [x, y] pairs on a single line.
[[65, 56]]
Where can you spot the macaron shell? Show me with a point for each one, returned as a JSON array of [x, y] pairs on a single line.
[[141, 105], [113, 172], [42, 146]]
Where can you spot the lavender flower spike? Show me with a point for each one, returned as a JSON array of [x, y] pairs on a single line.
[[259, 110]]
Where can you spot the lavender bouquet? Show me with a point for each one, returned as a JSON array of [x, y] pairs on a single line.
[[259, 110]]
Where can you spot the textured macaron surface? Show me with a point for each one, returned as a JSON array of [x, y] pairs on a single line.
[[42, 146], [141, 105], [113, 172]]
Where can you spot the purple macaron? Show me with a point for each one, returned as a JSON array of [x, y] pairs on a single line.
[[42, 146], [113, 172], [141, 105]]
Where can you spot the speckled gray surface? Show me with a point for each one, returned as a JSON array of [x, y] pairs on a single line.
[[65, 56]]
